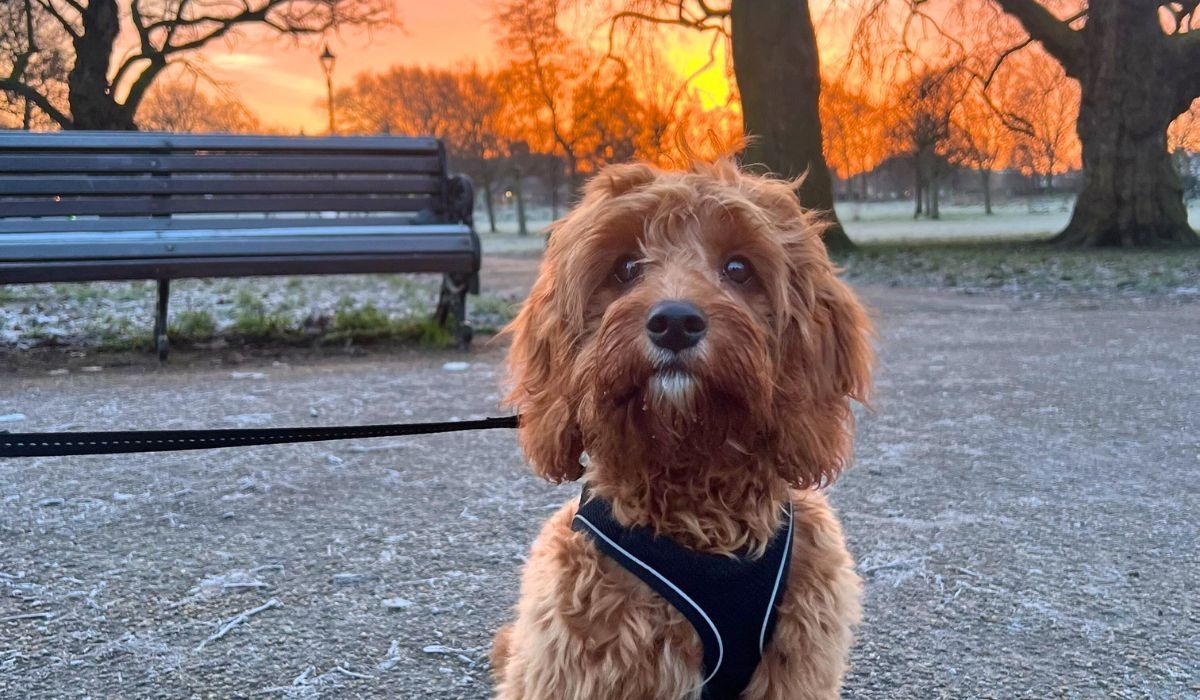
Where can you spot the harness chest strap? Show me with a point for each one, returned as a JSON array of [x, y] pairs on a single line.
[[730, 601]]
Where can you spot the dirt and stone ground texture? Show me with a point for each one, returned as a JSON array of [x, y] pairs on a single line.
[[1022, 508]]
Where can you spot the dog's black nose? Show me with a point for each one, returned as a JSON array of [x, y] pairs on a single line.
[[676, 325]]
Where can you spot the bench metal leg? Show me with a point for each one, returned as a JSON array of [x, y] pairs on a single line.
[[160, 320], [452, 303]]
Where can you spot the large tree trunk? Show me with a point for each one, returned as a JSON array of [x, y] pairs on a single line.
[[778, 76], [1131, 197], [93, 104]]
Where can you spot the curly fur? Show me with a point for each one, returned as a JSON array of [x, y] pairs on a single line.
[[758, 412]]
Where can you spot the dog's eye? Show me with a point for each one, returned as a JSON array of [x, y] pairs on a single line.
[[737, 270], [627, 269]]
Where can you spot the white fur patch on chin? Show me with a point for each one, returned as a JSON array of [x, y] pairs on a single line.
[[673, 387]]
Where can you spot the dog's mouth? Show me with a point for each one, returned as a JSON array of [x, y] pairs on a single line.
[[673, 384], [669, 382]]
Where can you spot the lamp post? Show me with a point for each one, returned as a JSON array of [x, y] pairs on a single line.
[[327, 60]]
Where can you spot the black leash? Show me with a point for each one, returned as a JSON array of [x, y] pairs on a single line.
[[121, 442]]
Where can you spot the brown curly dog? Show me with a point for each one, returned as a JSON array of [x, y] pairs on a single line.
[[688, 332]]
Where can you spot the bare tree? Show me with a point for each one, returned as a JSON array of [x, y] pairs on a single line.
[[978, 139], [922, 113], [476, 135], [1040, 105], [27, 50], [1137, 63], [106, 82], [464, 107], [853, 128], [774, 50], [181, 104], [546, 70], [578, 103], [1135, 79], [401, 99]]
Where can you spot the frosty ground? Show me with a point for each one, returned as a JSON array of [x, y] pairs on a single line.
[[1022, 510]]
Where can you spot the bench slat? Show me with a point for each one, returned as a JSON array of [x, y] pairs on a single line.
[[154, 206], [14, 141], [17, 230], [337, 237], [165, 268], [59, 163], [202, 184], [248, 247]]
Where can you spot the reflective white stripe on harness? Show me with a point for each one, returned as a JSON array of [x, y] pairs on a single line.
[[783, 563], [647, 567]]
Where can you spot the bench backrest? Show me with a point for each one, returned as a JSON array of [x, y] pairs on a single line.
[[137, 174]]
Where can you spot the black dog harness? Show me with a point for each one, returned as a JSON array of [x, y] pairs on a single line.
[[731, 601]]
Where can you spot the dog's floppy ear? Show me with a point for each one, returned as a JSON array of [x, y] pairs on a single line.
[[825, 362], [538, 369], [844, 349]]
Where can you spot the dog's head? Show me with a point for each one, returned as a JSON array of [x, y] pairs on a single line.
[[687, 313]]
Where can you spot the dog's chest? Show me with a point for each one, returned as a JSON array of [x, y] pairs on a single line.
[[730, 602]]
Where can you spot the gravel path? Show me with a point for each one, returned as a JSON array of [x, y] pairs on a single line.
[[1022, 509]]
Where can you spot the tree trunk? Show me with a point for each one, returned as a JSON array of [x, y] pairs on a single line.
[[935, 211], [1131, 196], [489, 204], [519, 195], [920, 196], [778, 76], [987, 190], [93, 104]]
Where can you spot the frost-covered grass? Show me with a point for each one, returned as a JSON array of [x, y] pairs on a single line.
[[1027, 269], [316, 310], [1032, 218]]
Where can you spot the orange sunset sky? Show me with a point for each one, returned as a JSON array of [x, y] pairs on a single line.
[[283, 83]]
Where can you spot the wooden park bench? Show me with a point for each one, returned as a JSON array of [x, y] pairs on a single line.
[[89, 206]]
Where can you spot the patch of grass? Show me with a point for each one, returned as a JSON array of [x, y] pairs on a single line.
[[193, 326], [118, 334], [367, 324], [360, 324], [1025, 267], [425, 331], [252, 321]]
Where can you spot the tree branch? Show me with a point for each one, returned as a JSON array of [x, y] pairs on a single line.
[[137, 92], [710, 12], [1055, 35], [178, 21], [38, 99], [680, 21], [66, 24], [987, 80], [135, 14]]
